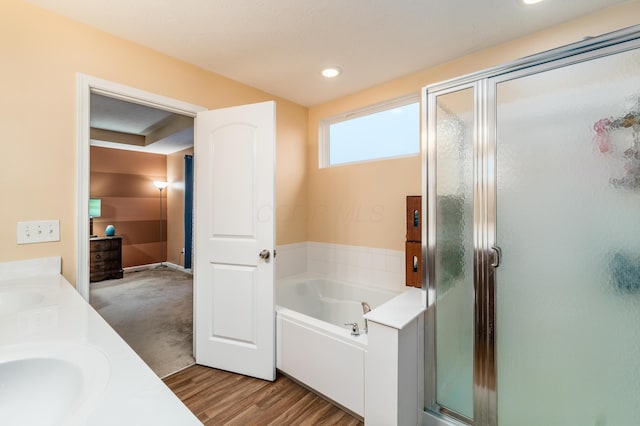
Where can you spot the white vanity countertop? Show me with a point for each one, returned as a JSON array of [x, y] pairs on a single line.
[[132, 395]]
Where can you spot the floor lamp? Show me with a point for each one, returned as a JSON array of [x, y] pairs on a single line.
[[160, 185]]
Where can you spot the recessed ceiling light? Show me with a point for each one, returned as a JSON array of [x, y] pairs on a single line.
[[331, 72], [530, 1]]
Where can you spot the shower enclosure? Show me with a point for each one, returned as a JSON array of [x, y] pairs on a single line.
[[533, 249]]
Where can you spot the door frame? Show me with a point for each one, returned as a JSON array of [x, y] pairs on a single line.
[[86, 85]]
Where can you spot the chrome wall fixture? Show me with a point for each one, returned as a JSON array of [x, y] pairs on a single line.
[[487, 254]]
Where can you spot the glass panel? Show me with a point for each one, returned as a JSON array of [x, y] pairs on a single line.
[[454, 252], [568, 210], [391, 133]]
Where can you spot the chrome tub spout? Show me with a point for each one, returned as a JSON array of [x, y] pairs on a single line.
[[365, 308]]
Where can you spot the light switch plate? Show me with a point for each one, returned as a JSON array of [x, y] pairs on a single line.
[[38, 231]]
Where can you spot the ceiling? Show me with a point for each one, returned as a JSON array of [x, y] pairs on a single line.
[[280, 46], [125, 125]]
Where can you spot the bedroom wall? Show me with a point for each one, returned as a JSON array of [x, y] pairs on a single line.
[[123, 180]]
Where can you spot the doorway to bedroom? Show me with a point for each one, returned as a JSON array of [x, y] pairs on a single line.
[[140, 183]]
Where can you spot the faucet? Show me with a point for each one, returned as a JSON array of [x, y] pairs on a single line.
[[355, 331], [365, 308]]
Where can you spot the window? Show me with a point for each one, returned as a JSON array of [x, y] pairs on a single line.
[[387, 130]]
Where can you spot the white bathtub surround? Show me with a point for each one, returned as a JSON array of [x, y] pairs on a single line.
[[368, 266], [380, 381], [372, 267], [327, 359], [291, 259], [59, 355], [314, 346], [331, 301], [393, 365]]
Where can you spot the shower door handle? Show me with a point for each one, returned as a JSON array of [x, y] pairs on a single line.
[[265, 254], [497, 256]]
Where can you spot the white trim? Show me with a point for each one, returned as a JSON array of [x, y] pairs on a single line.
[[325, 123], [82, 182], [372, 109], [368, 160], [86, 85], [169, 265]]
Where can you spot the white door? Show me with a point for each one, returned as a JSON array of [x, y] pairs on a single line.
[[234, 224]]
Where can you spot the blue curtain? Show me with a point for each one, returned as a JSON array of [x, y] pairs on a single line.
[[188, 210]]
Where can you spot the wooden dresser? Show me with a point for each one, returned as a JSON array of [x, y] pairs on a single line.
[[105, 258]]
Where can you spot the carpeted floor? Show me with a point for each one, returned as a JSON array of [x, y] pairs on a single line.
[[152, 310]]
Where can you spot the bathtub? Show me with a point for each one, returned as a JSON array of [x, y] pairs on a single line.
[[314, 346]]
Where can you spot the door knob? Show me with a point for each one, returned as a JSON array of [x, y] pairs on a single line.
[[265, 254]]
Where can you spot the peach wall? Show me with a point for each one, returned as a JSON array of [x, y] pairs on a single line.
[[175, 206], [359, 205], [41, 55], [123, 180], [363, 204], [291, 177]]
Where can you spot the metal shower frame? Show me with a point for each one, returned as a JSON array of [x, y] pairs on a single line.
[[485, 247]]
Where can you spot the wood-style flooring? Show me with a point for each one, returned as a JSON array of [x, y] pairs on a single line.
[[221, 398]]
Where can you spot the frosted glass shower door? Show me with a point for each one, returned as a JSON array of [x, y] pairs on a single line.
[[453, 268], [568, 222]]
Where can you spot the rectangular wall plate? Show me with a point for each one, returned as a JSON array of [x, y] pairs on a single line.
[[38, 231]]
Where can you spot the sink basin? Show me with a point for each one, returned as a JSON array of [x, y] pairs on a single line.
[[50, 383]]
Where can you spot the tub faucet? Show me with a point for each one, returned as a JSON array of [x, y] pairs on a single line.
[[355, 331], [365, 308]]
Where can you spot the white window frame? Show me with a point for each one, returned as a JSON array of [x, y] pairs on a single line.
[[324, 144]]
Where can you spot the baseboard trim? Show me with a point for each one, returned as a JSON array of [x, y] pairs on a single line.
[[155, 265]]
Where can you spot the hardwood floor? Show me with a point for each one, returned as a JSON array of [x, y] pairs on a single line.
[[221, 398]]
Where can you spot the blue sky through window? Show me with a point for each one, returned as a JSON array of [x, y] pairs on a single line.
[[390, 133]]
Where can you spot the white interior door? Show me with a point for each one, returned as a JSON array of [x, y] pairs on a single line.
[[234, 224]]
